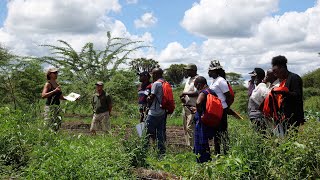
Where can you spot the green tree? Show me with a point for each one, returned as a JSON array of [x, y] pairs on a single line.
[[234, 78], [143, 64], [175, 73], [312, 79], [90, 63], [19, 80]]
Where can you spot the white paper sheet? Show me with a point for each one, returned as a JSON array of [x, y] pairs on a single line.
[[140, 128], [72, 96]]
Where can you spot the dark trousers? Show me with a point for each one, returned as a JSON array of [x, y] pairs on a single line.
[[156, 126], [221, 135]]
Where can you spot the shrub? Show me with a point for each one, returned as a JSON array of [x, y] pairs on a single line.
[[312, 103]]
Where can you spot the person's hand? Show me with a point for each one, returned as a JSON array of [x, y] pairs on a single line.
[[183, 100], [57, 89], [193, 109]]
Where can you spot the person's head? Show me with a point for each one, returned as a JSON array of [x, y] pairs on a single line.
[[144, 76], [215, 69], [99, 86], [279, 66], [190, 70], [156, 74], [270, 77], [200, 83], [259, 75], [52, 74]]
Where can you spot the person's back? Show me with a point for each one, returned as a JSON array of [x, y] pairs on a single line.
[[155, 108]]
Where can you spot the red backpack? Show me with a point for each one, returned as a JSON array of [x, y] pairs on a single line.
[[231, 93], [167, 102], [213, 113], [272, 106]]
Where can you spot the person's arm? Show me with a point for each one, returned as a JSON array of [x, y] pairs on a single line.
[[297, 87], [46, 94], [62, 97], [201, 98], [228, 98], [223, 85], [190, 94], [152, 96]]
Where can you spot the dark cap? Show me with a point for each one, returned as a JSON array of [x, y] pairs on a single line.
[[191, 66], [258, 72], [144, 73], [252, 73], [99, 83]]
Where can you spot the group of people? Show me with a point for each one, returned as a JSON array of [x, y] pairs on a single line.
[[276, 95], [276, 99], [101, 104]]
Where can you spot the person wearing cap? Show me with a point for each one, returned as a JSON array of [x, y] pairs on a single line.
[[52, 92], [256, 98], [143, 92], [251, 83], [221, 88], [189, 99], [102, 106]]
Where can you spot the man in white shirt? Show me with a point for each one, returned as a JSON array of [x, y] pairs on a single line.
[[221, 88], [189, 99]]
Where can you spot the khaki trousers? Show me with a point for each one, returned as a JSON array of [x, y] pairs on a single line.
[[101, 121], [188, 126]]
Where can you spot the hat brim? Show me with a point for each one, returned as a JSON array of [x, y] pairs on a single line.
[[214, 68], [252, 73]]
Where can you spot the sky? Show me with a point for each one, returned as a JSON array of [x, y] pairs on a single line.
[[242, 34]]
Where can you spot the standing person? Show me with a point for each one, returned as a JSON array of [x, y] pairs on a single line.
[[52, 92], [221, 88], [102, 106], [202, 132], [251, 85], [189, 99], [271, 80], [292, 100], [156, 119], [255, 100], [143, 92]]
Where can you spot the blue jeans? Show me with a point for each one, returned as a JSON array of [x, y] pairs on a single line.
[[156, 126]]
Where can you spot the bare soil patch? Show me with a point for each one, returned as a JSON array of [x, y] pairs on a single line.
[[175, 134]]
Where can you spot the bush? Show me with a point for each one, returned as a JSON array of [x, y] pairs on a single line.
[[312, 103], [79, 157], [310, 92]]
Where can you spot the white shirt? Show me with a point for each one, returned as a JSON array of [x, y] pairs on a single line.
[[259, 93], [189, 87], [220, 86]]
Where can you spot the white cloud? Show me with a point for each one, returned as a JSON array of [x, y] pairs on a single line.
[[226, 18], [32, 23], [56, 16], [294, 35], [145, 21]]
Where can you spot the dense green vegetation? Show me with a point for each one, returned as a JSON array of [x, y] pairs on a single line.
[[28, 150]]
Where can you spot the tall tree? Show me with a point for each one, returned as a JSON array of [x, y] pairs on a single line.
[[91, 63], [234, 78], [175, 73], [143, 64], [19, 80]]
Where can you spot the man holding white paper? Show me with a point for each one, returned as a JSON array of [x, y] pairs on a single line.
[[102, 107]]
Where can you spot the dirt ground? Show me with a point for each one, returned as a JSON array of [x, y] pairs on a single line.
[[175, 134]]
